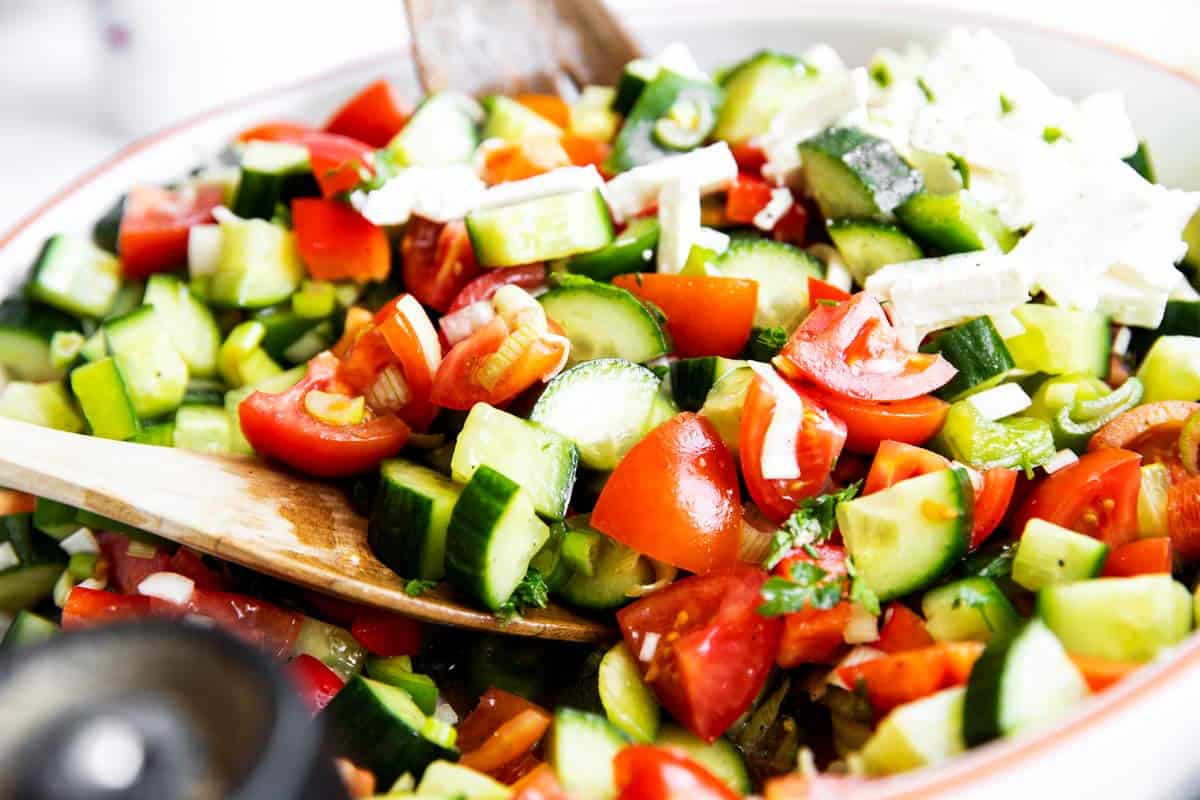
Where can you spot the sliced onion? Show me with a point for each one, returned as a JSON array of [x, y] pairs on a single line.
[[863, 626], [389, 393], [664, 575], [779, 460], [649, 647], [427, 336], [81, 541], [169, 586], [204, 250], [756, 541], [468, 319], [1001, 401], [1060, 460], [493, 368]]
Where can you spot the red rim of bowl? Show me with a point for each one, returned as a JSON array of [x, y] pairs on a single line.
[[969, 768]]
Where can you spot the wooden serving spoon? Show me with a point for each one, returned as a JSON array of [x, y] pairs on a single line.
[[247, 512]]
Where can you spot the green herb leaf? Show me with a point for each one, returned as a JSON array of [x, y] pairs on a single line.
[[809, 586], [417, 587], [810, 523], [765, 344], [860, 592], [531, 592]]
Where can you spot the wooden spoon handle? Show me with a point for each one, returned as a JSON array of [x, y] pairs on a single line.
[[244, 511]]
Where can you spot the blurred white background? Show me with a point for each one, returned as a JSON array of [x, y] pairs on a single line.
[[80, 78]]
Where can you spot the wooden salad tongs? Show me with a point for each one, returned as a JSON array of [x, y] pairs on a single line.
[[301, 530]]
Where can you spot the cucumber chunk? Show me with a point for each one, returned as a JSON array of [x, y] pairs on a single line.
[[604, 406], [868, 246], [954, 223], [539, 460], [977, 352], [851, 173], [724, 403], [918, 734], [581, 750], [46, 404], [510, 121], [105, 400], [410, 517], [720, 757], [493, 535], [203, 429], [1059, 341], [541, 229], [617, 569], [628, 702], [441, 131], [444, 779], [906, 537], [971, 609], [155, 374], [631, 251], [756, 90], [781, 271], [258, 267], [1171, 370], [1048, 554], [26, 629], [26, 332], [640, 139], [189, 322], [604, 321], [272, 173], [1119, 619], [380, 728], [40, 562], [75, 276], [1021, 681]]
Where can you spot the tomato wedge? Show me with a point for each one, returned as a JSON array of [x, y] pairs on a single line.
[[914, 421], [992, 500], [900, 678], [728, 309], [823, 293], [1101, 673], [373, 116], [523, 159], [852, 350], [897, 461], [336, 243], [1183, 518], [384, 634], [279, 427], [86, 608], [540, 783], [585, 151], [316, 683], [645, 772], [438, 261], [902, 629], [818, 441], [499, 734], [548, 106], [153, 236], [674, 497], [748, 195], [276, 131], [814, 635], [529, 276], [1139, 557], [713, 650], [1097, 495], [337, 161], [1151, 429]]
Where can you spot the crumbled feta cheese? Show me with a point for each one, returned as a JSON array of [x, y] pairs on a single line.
[[679, 223], [1000, 401], [1060, 460], [832, 98], [441, 194], [712, 239], [935, 293], [557, 181], [634, 191], [780, 203]]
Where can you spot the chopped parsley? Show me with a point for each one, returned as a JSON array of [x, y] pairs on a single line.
[[531, 592], [417, 587], [860, 592], [810, 523], [807, 586], [765, 343]]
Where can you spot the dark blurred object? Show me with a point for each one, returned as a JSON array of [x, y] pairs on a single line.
[[156, 711]]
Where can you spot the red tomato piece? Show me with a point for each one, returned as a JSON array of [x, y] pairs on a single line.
[[548, 106], [539, 783], [1101, 673], [316, 682], [748, 195], [584, 151], [1097, 496], [813, 635], [897, 461], [902, 629], [278, 131], [914, 421], [495, 707], [508, 746], [1151, 429], [268, 627], [190, 565], [992, 500], [750, 158], [894, 680], [645, 772], [279, 427], [1139, 557], [1183, 518], [456, 384], [89, 607], [822, 293], [385, 634], [438, 261], [523, 159], [125, 572], [819, 442], [792, 226], [728, 304], [674, 496], [714, 650], [154, 229], [373, 116], [852, 350], [337, 243], [530, 276], [337, 161]]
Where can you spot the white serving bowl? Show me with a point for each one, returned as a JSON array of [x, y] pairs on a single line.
[[1132, 741]]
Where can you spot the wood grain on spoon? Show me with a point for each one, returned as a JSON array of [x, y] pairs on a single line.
[[247, 512]]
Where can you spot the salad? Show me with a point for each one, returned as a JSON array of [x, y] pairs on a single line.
[[864, 402]]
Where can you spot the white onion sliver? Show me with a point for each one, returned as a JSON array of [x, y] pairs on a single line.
[[787, 418], [468, 319], [1120, 344], [169, 586], [418, 320], [203, 250], [81, 541], [1060, 460], [862, 627], [1000, 401], [649, 647]]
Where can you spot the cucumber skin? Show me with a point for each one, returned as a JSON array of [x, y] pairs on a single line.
[[983, 692]]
